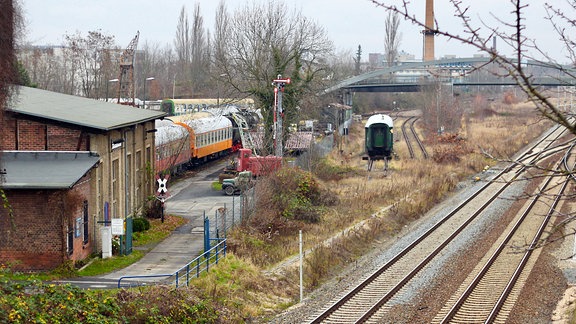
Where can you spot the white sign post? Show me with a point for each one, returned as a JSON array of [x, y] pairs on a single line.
[[106, 234]]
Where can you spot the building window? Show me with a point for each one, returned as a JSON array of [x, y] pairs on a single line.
[[78, 227], [138, 176], [86, 219], [115, 188], [128, 185], [70, 240]]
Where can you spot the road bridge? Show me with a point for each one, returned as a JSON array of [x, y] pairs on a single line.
[[457, 72]]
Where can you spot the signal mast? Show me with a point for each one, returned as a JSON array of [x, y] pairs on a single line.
[[278, 84]]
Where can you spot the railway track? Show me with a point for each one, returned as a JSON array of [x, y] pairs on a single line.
[[492, 292], [409, 123], [373, 297]]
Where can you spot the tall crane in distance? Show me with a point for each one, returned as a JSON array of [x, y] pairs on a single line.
[[126, 78]]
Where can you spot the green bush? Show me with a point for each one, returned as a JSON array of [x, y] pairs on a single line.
[[298, 196], [140, 224]]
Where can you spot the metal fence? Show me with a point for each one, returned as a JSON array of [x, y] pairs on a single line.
[[216, 227], [229, 216], [182, 277]]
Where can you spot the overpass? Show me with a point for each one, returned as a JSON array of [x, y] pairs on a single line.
[[413, 76]]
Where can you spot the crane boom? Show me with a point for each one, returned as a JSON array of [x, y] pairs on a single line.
[[126, 77]]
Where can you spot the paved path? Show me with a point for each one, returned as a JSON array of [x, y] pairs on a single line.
[[191, 199]]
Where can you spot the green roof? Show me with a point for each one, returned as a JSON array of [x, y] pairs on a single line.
[[76, 110]]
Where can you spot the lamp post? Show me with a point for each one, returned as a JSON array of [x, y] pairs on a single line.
[[147, 79], [174, 85], [107, 83]]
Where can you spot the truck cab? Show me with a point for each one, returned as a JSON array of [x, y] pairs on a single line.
[[238, 184]]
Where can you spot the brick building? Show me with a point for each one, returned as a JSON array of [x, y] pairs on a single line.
[[68, 165]]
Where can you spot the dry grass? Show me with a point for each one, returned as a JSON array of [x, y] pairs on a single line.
[[409, 190]]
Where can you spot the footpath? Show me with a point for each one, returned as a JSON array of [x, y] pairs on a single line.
[[189, 198]]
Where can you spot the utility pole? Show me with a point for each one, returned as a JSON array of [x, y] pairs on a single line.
[[278, 84]]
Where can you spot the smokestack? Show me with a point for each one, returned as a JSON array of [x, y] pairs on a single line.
[[429, 32]]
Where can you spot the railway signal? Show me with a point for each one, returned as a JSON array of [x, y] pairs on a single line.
[[279, 85], [162, 192]]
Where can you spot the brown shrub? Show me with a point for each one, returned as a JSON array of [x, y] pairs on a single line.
[[450, 149], [510, 98]]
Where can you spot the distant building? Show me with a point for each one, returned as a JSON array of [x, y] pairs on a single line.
[[71, 165], [378, 60]]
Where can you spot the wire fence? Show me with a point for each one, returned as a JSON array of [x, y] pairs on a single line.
[[229, 215]]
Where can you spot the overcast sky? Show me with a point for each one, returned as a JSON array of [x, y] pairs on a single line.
[[348, 23]]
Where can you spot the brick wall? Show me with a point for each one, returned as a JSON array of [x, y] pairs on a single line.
[[28, 135], [32, 238], [66, 139], [35, 238], [8, 134]]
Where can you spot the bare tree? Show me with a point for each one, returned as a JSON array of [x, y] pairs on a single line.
[[357, 60], [10, 25], [89, 57], [260, 42], [480, 37], [198, 50], [513, 32], [192, 51], [182, 45], [392, 37]]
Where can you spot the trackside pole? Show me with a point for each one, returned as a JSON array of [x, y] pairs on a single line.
[[301, 261], [574, 249]]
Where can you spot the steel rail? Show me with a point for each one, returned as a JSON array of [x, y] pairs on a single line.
[[418, 141], [406, 139], [326, 313], [522, 265], [481, 274]]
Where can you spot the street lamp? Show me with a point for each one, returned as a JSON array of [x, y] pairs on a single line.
[[107, 83], [174, 85], [147, 79]]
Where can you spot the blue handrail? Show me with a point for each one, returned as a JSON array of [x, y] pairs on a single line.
[[211, 256]]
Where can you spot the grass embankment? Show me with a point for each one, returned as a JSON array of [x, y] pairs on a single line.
[[338, 194], [349, 228]]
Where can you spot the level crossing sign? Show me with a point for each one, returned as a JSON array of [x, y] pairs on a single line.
[[162, 191]]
